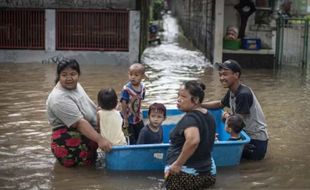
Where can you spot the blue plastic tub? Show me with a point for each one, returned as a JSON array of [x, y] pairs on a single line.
[[152, 156]]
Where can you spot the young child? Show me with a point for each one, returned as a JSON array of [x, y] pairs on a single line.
[[234, 124], [109, 120], [153, 132], [131, 96]]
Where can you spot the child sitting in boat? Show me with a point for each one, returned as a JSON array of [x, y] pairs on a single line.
[[109, 120], [233, 125], [153, 132]]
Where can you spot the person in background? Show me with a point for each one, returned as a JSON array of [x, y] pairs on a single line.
[[242, 100], [72, 115], [153, 132], [231, 33], [109, 120], [131, 97], [234, 125], [189, 162]]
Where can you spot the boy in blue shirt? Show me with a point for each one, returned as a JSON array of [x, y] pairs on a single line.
[[131, 97]]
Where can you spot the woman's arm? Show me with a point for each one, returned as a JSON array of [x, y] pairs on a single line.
[[98, 122], [86, 129], [192, 141]]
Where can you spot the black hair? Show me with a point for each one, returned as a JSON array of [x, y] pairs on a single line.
[[107, 98], [66, 63], [158, 107], [235, 122], [195, 89]]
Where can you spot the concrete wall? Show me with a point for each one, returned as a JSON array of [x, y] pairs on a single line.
[[84, 57], [196, 18]]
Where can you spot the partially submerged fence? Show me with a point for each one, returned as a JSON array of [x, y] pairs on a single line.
[[22, 28], [292, 41], [76, 29], [106, 30]]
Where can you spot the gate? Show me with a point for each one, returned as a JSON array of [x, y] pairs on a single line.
[[292, 42]]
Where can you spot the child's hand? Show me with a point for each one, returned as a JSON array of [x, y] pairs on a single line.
[[125, 125]]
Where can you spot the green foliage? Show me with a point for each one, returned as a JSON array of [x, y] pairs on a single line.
[[158, 7]]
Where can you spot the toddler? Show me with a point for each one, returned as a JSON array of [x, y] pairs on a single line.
[[233, 125], [153, 132], [109, 120]]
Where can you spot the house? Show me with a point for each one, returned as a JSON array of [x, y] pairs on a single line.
[[205, 23], [107, 31]]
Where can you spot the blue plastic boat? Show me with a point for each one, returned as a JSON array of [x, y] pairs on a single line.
[[152, 156]]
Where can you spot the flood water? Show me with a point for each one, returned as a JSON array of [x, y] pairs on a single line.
[[26, 161]]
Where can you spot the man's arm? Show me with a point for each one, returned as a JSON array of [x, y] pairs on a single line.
[[213, 104]]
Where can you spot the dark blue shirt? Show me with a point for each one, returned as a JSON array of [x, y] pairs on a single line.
[[147, 136]]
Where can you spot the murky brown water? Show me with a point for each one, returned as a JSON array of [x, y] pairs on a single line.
[[27, 163]]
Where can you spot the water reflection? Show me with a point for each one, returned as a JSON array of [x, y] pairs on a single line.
[[26, 161], [168, 65]]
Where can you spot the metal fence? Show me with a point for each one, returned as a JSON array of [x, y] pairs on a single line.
[[292, 42], [103, 30], [22, 29]]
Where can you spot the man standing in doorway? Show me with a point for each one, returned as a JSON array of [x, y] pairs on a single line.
[[241, 100]]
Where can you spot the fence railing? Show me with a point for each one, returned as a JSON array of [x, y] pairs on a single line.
[[22, 29], [292, 41], [103, 30]]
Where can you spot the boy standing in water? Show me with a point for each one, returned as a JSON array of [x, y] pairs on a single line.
[[131, 96], [153, 132]]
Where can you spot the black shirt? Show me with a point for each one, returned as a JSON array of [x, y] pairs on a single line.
[[201, 158]]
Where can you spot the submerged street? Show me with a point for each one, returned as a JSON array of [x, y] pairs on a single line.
[[26, 161]]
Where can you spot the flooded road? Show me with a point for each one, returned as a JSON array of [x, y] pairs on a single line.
[[26, 161]]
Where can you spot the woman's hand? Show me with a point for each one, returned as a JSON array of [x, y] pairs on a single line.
[[174, 168], [86, 129], [104, 144]]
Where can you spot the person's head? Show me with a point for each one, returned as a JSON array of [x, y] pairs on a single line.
[[234, 124], [67, 74], [191, 95], [231, 33], [229, 72], [107, 98], [156, 114], [136, 73]]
